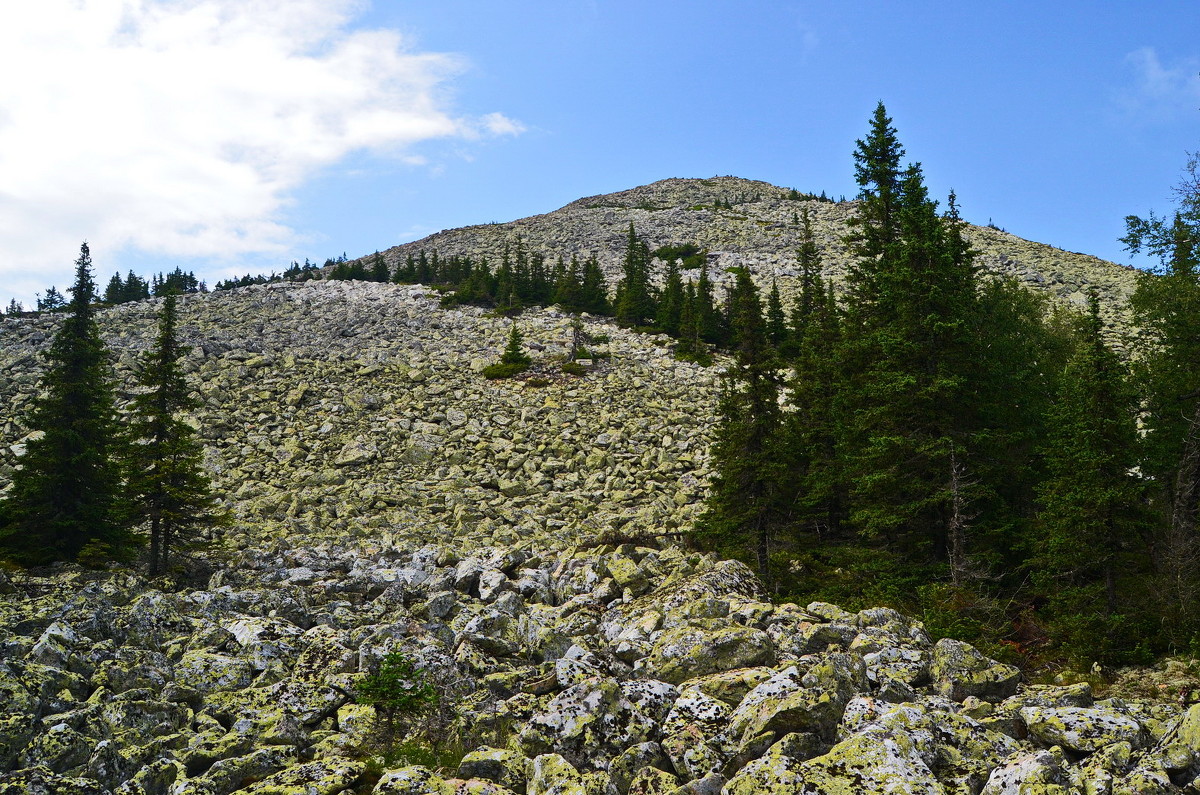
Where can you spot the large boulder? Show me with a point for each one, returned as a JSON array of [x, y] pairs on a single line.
[[685, 652], [959, 670]]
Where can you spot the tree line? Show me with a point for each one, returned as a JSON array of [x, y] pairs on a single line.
[[93, 487], [953, 445]]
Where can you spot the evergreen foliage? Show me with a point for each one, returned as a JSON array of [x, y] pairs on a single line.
[[635, 301], [745, 507], [168, 492], [63, 503], [1090, 519], [513, 361]]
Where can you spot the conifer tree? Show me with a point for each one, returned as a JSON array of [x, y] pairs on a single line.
[[670, 304], [568, 287], [745, 506], [64, 497], [635, 304], [595, 292], [168, 492], [1167, 305], [1090, 516], [814, 431], [379, 268], [911, 322], [776, 320], [712, 324]]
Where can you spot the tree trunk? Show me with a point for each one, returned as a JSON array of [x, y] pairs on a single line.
[[1180, 559], [956, 527]]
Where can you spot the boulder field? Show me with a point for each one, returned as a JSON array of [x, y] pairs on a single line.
[[601, 671], [520, 541]]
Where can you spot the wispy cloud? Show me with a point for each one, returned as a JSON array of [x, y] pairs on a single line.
[[183, 127], [1160, 92]]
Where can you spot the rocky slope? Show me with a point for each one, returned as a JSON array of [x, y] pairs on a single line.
[[758, 231], [347, 409], [386, 497]]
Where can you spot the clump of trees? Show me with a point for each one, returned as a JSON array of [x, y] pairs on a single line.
[[951, 445], [90, 488]]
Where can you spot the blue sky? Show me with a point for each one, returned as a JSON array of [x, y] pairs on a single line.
[[227, 137]]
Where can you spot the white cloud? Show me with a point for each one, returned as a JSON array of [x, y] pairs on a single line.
[[182, 127], [1161, 92]]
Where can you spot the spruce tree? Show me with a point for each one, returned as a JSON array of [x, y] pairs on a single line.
[[776, 320], [813, 430], [1167, 306], [168, 492], [1090, 519], [379, 268], [595, 292], [911, 324], [64, 496], [745, 508], [670, 304], [635, 304]]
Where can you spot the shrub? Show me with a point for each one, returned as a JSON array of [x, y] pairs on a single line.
[[574, 368], [399, 692], [501, 370]]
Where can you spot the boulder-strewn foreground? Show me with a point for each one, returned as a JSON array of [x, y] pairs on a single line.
[[603, 670], [386, 497]]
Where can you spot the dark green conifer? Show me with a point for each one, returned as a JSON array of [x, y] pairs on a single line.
[[1091, 517], [912, 320], [670, 304], [168, 492], [746, 504], [635, 304], [595, 291], [379, 268], [64, 496]]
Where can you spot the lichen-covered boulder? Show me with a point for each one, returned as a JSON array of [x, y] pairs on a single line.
[[1037, 773], [323, 777], [791, 702], [412, 780], [690, 754], [210, 672], [264, 640], [501, 765], [626, 766], [589, 723], [1082, 729], [696, 708], [551, 774], [653, 781], [41, 781], [59, 748], [959, 670], [873, 762], [685, 652]]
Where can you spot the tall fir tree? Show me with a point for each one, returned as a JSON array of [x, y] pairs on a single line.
[[911, 322], [670, 304], [745, 508], [1091, 521], [64, 497], [594, 297], [813, 428], [168, 492], [1167, 306], [635, 304]]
